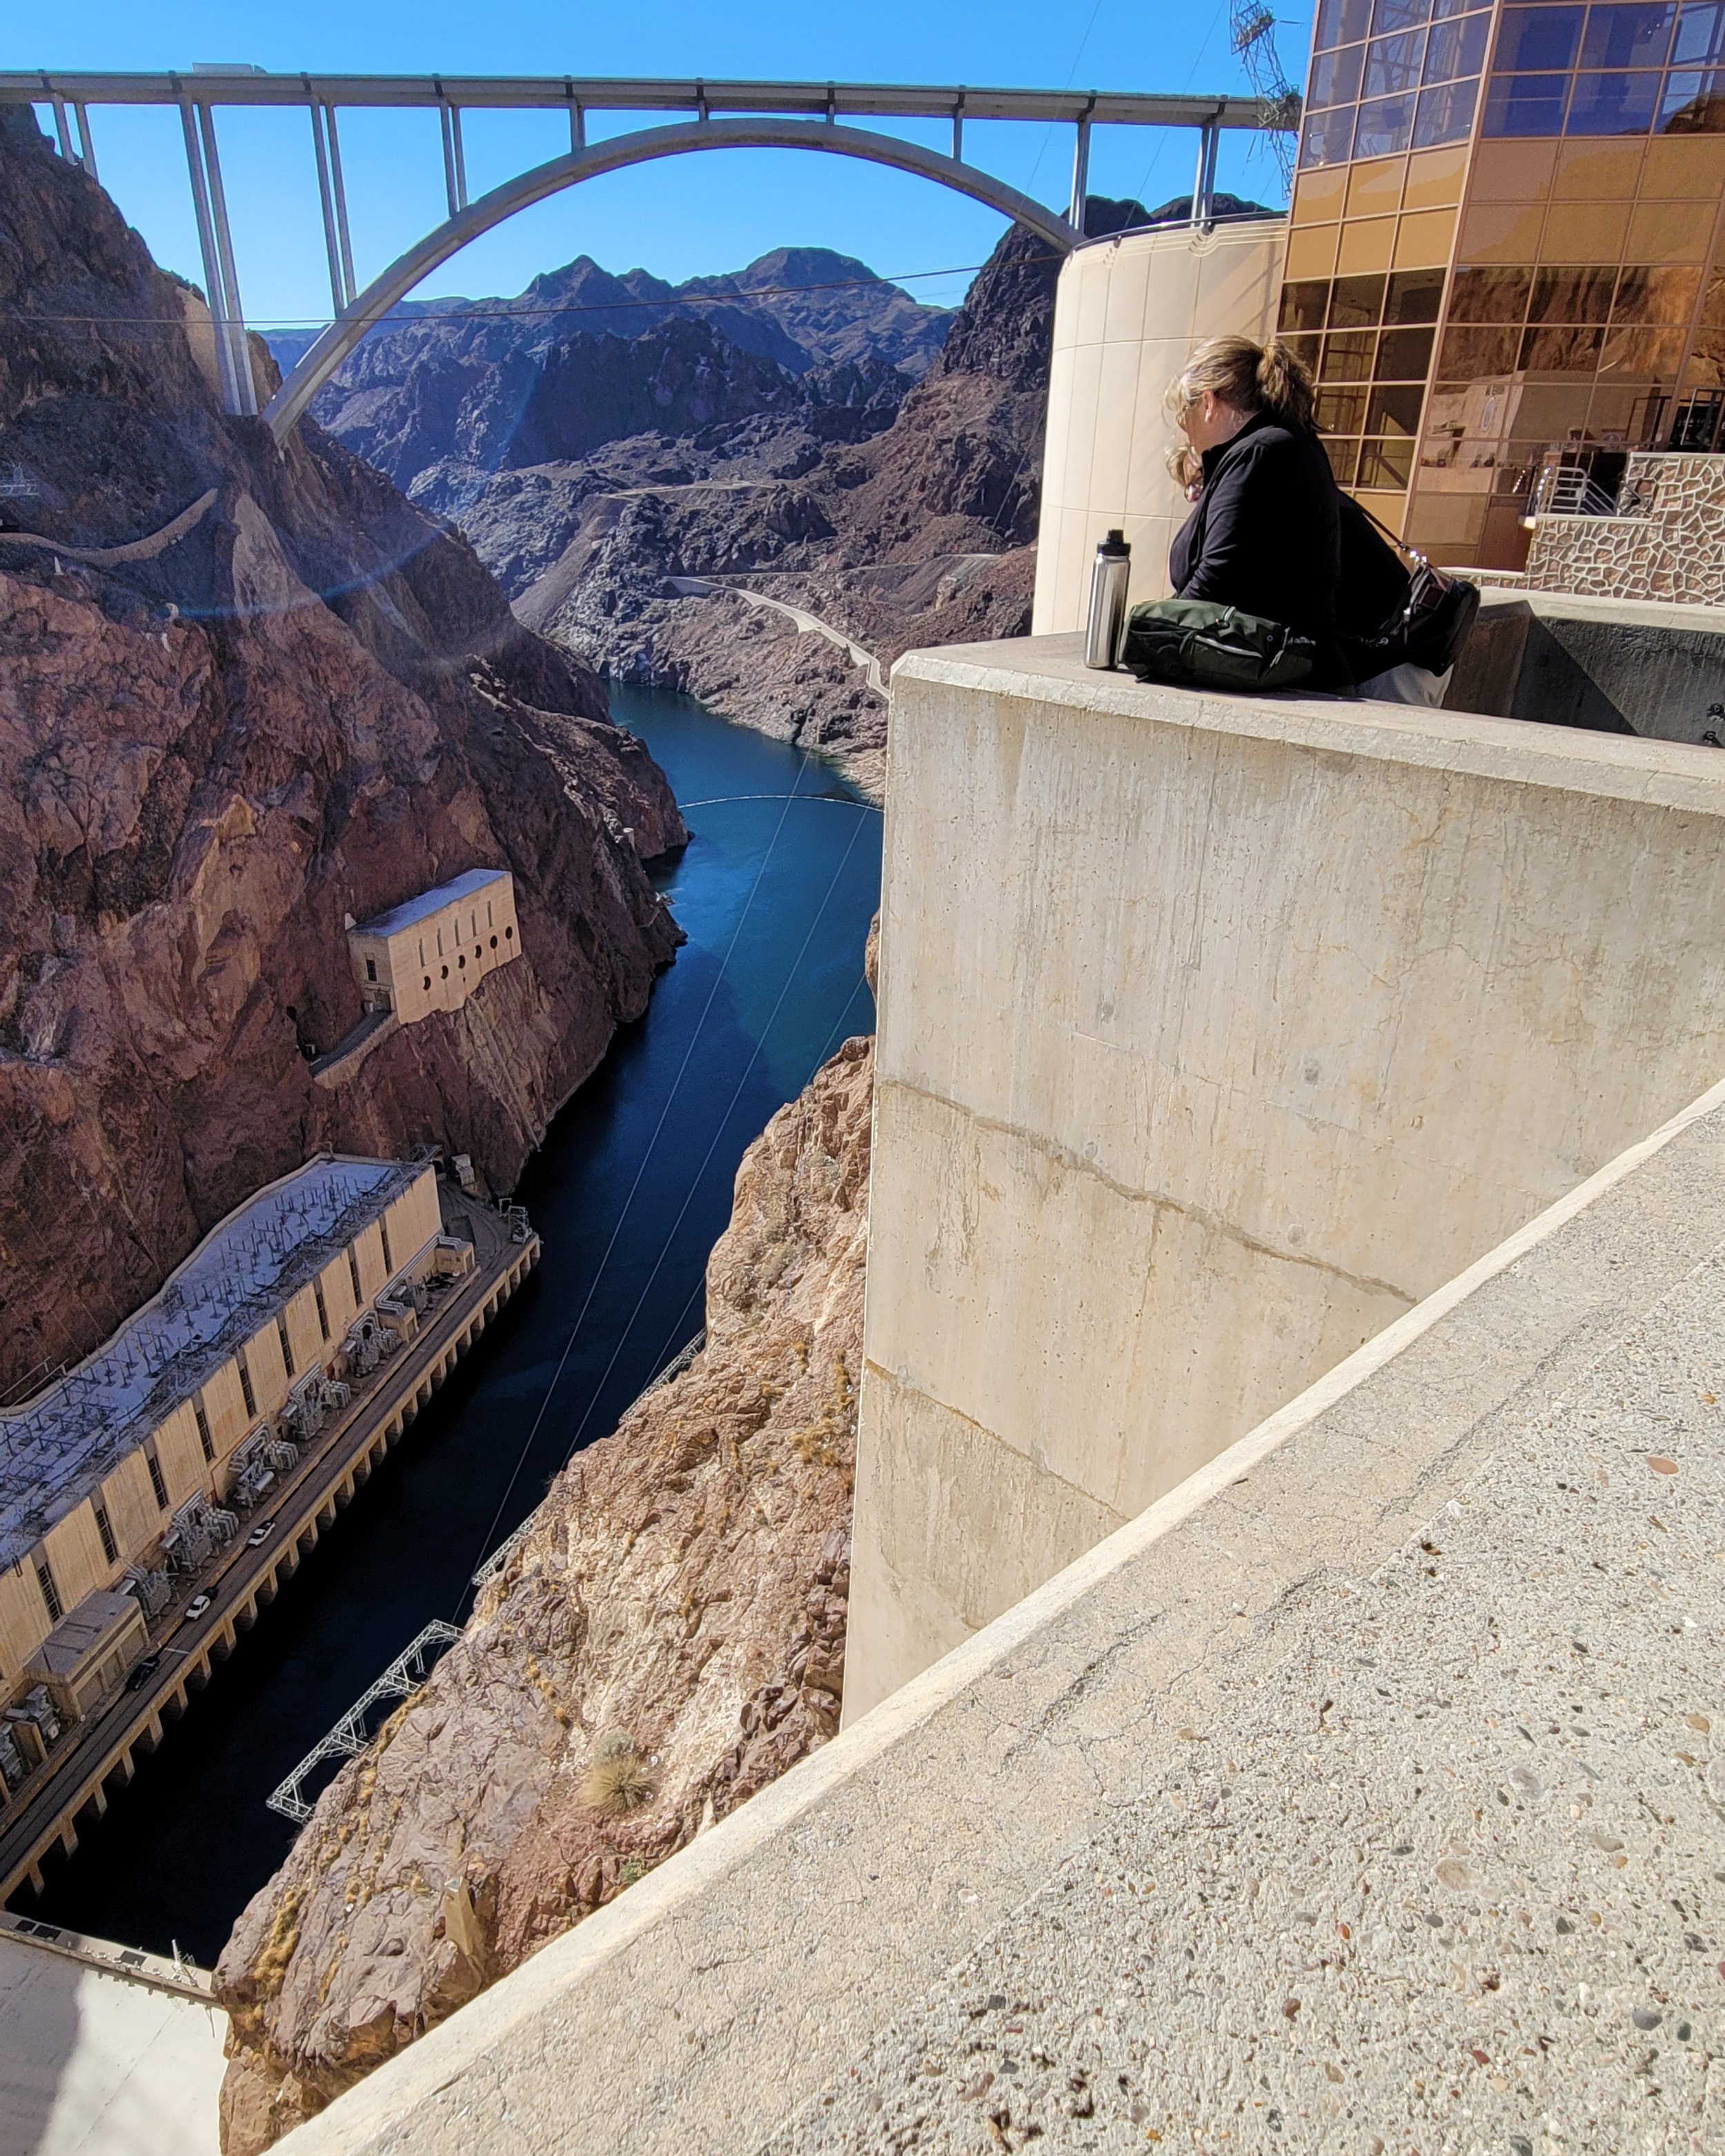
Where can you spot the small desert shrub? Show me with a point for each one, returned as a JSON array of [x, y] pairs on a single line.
[[618, 1781]]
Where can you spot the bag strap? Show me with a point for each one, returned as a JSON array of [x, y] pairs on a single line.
[[1402, 546]]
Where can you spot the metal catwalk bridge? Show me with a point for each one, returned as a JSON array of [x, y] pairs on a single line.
[[798, 116]]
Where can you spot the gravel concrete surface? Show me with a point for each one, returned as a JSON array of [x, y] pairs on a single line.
[[1448, 1878]]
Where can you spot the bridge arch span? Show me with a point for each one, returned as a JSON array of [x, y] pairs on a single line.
[[642, 147]]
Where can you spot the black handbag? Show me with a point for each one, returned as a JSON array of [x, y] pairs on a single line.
[[1428, 624]]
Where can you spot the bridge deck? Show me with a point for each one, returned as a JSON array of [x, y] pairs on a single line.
[[644, 94]]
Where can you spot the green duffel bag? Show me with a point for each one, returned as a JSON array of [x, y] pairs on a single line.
[[1195, 644]]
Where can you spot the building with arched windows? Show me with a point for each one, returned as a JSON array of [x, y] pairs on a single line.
[[430, 952]]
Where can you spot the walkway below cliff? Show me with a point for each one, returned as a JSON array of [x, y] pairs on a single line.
[[1363, 1792]]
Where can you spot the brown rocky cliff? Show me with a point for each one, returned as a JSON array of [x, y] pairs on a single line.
[[314, 704], [667, 1638], [923, 534]]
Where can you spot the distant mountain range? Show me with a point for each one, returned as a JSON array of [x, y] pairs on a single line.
[[600, 438], [582, 357]]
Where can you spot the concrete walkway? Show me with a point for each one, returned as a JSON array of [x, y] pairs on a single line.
[[97, 2062], [806, 624]]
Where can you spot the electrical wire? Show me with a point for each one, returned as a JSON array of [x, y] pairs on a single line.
[[695, 1181], [838, 800], [640, 1171], [466, 311]]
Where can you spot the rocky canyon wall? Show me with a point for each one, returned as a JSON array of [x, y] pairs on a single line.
[[313, 703], [666, 1638]]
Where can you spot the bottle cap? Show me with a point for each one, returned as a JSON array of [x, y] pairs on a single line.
[[1114, 544]]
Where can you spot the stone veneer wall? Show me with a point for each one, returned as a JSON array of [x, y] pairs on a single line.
[[1668, 544]]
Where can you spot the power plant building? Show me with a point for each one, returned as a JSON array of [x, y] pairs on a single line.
[[431, 952], [125, 1468]]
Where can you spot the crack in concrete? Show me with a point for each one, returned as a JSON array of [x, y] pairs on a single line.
[[1062, 1156]]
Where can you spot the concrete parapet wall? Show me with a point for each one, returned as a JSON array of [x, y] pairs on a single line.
[[1614, 665], [1215, 1032], [1274, 1801]]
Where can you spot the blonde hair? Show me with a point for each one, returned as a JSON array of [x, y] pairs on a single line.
[[1252, 377], [1185, 467]]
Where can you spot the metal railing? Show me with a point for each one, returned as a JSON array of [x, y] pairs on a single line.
[[351, 1735]]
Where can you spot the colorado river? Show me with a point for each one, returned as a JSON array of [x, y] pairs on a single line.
[[630, 1191]]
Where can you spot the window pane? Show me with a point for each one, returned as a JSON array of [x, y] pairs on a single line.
[[1328, 137], [1457, 49], [1526, 104], [1573, 295], [1304, 347], [1693, 103], [1561, 352], [1348, 357], [1394, 63], [1636, 37], [1414, 296], [1656, 295], [1538, 37], [1303, 305], [1442, 10], [1490, 296], [1445, 115], [1335, 77], [1390, 15], [1404, 355], [1700, 35], [1340, 411], [1344, 457], [1357, 303], [1395, 410], [1386, 464], [1385, 127], [1469, 354], [1642, 355], [1341, 22], [1613, 104]]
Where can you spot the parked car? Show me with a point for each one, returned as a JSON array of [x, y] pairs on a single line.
[[198, 1605], [142, 1672], [260, 1534]]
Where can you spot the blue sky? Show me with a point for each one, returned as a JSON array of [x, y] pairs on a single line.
[[679, 217]]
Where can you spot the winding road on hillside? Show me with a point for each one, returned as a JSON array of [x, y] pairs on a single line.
[[809, 624]]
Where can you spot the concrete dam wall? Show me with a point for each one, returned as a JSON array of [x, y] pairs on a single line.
[[1214, 1034]]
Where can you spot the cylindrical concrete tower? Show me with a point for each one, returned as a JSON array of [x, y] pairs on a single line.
[[1128, 311]]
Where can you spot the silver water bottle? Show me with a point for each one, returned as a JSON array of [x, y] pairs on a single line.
[[1106, 624]]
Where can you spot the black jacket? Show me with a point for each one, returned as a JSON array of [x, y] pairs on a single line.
[[1374, 582], [1265, 535]]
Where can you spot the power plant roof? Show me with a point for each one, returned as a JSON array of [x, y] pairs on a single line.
[[59, 1446], [430, 901]]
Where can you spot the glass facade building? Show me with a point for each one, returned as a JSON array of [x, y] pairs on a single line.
[[1505, 228]]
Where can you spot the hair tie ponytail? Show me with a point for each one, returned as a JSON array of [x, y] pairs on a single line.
[[1250, 376]]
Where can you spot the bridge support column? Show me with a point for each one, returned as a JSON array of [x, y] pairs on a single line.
[[1080, 173], [1203, 184], [454, 159], [234, 367], [333, 196]]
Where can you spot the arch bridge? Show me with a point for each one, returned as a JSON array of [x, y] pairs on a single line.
[[806, 116]]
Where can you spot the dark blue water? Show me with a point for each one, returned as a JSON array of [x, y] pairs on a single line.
[[629, 1191]]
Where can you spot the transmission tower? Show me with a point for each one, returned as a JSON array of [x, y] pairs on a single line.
[[1252, 28]]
